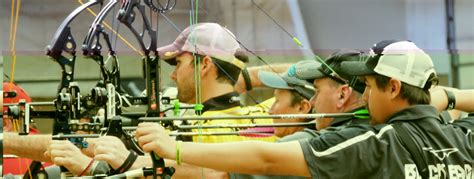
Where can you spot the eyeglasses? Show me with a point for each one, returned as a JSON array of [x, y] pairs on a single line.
[[333, 74]]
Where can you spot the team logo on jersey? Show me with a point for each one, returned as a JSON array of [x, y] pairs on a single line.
[[442, 153]]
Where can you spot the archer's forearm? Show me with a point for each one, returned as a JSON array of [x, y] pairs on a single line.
[[31, 146], [143, 161], [248, 157], [276, 68], [187, 171], [253, 74], [464, 99]]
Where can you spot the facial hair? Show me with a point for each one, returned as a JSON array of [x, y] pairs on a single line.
[[186, 90]]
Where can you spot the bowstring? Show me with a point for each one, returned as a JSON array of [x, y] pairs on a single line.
[[12, 42], [193, 18], [115, 32]]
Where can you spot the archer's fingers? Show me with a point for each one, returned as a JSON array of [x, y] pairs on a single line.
[[143, 140], [147, 129], [149, 147], [62, 145], [58, 153]]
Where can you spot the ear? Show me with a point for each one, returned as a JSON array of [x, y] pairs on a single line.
[[207, 66], [345, 93], [305, 107], [394, 88]]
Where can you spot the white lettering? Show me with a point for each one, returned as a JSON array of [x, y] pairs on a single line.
[[468, 171], [441, 171], [411, 172], [456, 172], [434, 174], [437, 171]]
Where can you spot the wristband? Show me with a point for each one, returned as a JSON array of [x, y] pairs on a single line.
[[92, 169], [126, 165], [451, 99], [248, 82], [87, 168]]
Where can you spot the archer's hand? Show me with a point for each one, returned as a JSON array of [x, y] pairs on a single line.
[[152, 137], [64, 153], [111, 150]]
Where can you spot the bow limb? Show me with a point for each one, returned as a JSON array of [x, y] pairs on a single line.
[[63, 41], [127, 15]]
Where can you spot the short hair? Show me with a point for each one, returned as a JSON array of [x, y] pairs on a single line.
[[413, 94], [227, 72], [337, 84], [298, 98]]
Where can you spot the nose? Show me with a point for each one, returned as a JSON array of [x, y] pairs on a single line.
[[312, 101], [365, 96], [272, 110], [173, 75]]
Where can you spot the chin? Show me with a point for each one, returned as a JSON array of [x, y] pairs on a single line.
[[278, 134], [375, 122], [183, 99]]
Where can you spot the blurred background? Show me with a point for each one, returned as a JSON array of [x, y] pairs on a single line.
[[322, 26]]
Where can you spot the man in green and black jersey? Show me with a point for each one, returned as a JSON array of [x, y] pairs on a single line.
[[337, 95]]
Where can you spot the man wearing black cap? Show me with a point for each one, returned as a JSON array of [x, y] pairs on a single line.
[[407, 139], [337, 91], [337, 94]]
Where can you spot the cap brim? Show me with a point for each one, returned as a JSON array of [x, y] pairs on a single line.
[[306, 70], [169, 53], [273, 80], [356, 68], [305, 92], [316, 74]]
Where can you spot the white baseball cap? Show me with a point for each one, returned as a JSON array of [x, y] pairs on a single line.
[[401, 60], [209, 39]]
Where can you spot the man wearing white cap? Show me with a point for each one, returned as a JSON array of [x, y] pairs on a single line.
[[214, 48], [407, 139]]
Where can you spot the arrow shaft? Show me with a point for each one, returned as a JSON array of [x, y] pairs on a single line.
[[284, 116]]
